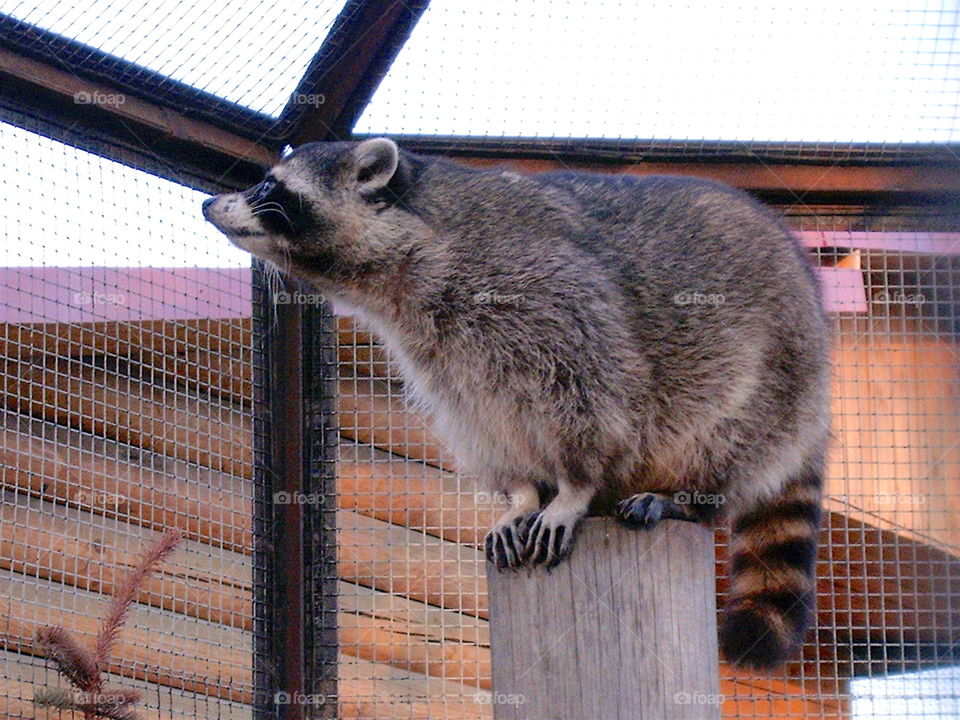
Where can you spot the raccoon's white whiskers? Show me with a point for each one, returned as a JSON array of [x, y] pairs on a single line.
[[266, 207]]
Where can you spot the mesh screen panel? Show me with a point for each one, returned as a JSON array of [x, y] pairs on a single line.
[[821, 72], [238, 65], [818, 80], [126, 410], [412, 595], [174, 39]]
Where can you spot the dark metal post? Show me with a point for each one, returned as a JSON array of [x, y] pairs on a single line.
[[321, 441], [295, 542]]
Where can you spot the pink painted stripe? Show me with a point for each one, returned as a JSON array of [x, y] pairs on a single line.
[[843, 289], [83, 295], [97, 294], [939, 243]]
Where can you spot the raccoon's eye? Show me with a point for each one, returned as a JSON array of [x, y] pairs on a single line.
[[261, 191]]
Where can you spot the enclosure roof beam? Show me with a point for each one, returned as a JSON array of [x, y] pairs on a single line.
[[128, 129], [355, 56], [775, 172]]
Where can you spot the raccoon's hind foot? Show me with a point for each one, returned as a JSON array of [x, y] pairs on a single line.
[[644, 510]]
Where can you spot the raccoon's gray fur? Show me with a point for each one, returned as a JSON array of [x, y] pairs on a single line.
[[651, 346]]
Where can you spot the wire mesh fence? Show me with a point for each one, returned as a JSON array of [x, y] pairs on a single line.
[[164, 52], [687, 78], [885, 639], [130, 379], [126, 411]]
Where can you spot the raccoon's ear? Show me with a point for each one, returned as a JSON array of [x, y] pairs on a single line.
[[376, 162]]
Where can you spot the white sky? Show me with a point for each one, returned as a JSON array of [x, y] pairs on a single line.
[[823, 70], [64, 207]]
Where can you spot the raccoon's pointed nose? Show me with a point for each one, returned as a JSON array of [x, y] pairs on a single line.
[[206, 207]]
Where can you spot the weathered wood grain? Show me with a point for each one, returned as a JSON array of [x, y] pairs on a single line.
[[414, 494], [398, 643], [227, 338], [166, 703], [368, 691], [623, 630], [212, 355], [426, 621], [373, 691], [895, 460]]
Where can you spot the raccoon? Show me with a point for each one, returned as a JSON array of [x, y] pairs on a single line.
[[648, 347]]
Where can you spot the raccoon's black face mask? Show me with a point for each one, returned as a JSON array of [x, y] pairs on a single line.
[[313, 211]]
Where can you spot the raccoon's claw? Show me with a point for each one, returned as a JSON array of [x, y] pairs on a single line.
[[644, 510], [549, 540], [504, 545]]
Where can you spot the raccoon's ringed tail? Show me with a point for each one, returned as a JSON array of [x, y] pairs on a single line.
[[773, 552]]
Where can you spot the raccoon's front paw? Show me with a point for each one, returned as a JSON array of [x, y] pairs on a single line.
[[549, 536], [504, 543], [645, 510]]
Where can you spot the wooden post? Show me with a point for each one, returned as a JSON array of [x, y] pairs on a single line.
[[624, 629]]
